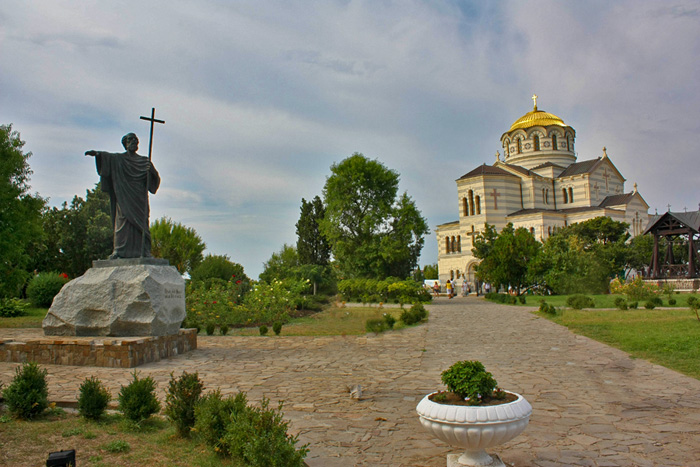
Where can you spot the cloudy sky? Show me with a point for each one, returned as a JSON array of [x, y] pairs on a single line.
[[261, 97]]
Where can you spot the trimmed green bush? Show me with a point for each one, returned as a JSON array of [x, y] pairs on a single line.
[[375, 325], [547, 308], [649, 305], [12, 307], [27, 396], [672, 302], [469, 379], [620, 303], [277, 328], [212, 415], [633, 305], [389, 320], [181, 397], [44, 287], [137, 400], [210, 328], [580, 301], [93, 398], [262, 329], [258, 436], [223, 329]]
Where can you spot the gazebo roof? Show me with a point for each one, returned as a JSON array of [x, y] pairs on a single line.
[[675, 220]]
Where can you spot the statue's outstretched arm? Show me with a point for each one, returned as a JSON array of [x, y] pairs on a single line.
[[91, 152]]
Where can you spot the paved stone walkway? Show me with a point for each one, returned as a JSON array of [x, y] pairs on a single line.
[[592, 405]]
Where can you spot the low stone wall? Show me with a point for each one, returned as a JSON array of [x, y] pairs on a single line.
[[680, 285], [122, 352]]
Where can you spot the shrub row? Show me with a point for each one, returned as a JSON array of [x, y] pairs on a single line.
[[256, 436], [391, 290], [505, 298]]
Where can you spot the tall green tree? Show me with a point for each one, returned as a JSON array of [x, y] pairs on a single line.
[[430, 271], [505, 258], [179, 244], [281, 265], [372, 233], [219, 267], [76, 234], [312, 246], [20, 214]]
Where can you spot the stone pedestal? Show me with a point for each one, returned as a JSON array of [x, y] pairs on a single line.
[[124, 297]]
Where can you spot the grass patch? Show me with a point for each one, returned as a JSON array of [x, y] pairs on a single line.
[[32, 319], [110, 442], [667, 337], [333, 321]]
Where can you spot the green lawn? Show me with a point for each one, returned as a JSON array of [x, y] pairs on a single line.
[[110, 442], [33, 319], [667, 337], [332, 321]]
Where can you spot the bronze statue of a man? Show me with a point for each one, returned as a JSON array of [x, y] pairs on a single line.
[[124, 177]]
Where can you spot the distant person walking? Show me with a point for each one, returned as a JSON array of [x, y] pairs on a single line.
[[436, 289], [465, 287], [448, 287]]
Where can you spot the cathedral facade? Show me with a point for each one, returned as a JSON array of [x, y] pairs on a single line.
[[538, 184]]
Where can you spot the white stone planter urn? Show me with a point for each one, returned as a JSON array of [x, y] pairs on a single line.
[[474, 428]]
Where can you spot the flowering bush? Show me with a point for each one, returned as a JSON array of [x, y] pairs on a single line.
[[636, 289], [215, 302], [275, 301], [389, 290]]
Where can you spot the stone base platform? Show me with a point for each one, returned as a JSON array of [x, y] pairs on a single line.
[[115, 352]]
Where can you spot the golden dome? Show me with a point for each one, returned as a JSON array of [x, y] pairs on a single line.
[[536, 118]]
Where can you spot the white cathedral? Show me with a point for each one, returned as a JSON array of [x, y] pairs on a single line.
[[538, 185]]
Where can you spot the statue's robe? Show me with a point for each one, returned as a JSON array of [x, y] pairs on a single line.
[[123, 176]]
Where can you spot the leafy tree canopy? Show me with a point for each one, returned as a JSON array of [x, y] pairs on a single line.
[[505, 258], [181, 245], [281, 265], [372, 232], [430, 271], [20, 214], [219, 267], [76, 234]]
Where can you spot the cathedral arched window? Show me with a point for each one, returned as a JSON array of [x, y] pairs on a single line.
[[465, 206], [546, 196], [520, 145], [549, 231], [542, 195], [452, 274], [477, 200], [554, 141], [532, 230], [536, 142], [571, 195], [447, 244], [566, 197], [471, 202], [459, 243], [453, 247]]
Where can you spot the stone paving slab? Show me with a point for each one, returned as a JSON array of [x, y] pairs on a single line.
[[592, 405]]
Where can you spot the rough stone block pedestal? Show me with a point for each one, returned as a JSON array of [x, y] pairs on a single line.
[[123, 297]]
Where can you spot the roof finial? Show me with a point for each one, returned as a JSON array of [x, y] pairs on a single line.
[[605, 152], [635, 187], [534, 99], [498, 156]]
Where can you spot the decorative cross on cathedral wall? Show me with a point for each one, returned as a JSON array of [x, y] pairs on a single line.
[[606, 176], [495, 195], [473, 234]]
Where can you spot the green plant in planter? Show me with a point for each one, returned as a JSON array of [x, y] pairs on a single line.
[[470, 381]]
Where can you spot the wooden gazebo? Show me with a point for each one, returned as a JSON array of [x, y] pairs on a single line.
[[675, 226]]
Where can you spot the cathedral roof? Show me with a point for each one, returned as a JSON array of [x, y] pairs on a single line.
[[616, 200], [485, 170], [537, 118], [547, 164], [580, 168], [690, 219]]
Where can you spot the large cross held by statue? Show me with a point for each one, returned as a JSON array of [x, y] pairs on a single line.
[[153, 120]]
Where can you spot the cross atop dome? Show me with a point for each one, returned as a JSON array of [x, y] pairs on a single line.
[[534, 99]]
